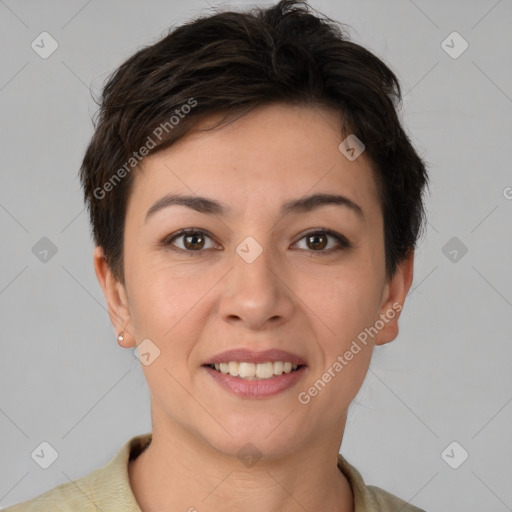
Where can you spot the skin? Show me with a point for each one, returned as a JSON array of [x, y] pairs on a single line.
[[294, 296]]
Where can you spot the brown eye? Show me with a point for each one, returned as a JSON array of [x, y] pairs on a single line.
[[196, 240], [192, 240], [317, 241]]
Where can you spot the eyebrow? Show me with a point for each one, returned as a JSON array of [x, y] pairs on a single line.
[[213, 207]]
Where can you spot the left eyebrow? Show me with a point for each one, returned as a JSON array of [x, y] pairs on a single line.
[[213, 207], [306, 204]]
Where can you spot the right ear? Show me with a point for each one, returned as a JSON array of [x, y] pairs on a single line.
[[116, 297]]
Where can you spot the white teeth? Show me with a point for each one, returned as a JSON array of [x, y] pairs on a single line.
[[255, 371], [233, 368], [264, 370], [246, 370], [278, 367]]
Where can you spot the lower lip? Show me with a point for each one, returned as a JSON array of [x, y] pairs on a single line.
[[257, 388]]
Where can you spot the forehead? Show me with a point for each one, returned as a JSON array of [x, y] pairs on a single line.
[[269, 155]]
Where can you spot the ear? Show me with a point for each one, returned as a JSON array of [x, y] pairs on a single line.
[[116, 297], [394, 294]]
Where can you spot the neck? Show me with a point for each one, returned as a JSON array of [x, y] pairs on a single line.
[[192, 476]]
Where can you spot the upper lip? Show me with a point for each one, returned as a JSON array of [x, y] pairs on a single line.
[[252, 356]]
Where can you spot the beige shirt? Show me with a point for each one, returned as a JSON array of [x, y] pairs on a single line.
[[107, 489]]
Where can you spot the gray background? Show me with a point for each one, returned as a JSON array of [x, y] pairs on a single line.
[[447, 377]]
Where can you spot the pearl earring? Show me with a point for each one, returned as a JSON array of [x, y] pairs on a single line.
[[120, 338]]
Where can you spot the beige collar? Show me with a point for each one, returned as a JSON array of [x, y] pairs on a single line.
[[115, 476]]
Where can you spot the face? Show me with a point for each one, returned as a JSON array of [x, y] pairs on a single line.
[[252, 277]]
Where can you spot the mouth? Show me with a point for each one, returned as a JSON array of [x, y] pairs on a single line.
[[252, 374], [256, 380], [255, 371]]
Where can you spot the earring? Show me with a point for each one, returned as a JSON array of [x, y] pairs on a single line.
[[120, 338]]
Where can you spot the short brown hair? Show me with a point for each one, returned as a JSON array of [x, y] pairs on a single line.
[[229, 63]]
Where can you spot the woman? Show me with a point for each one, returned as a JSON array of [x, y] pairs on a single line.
[[255, 205]]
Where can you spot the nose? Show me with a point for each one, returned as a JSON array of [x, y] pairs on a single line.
[[255, 294]]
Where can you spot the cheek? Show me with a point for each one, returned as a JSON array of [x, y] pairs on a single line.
[[171, 308], [159, 298], [352, 301], [345, 303]]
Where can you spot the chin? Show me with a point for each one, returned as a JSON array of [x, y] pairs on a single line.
[[255, 439]]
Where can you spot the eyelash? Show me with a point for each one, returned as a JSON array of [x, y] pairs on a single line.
[[342, 241]]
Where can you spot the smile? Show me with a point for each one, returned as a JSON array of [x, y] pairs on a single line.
[[246, 384], [255, 371]]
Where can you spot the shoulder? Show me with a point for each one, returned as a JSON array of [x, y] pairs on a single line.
[[387, 502], [106, 488], [368, 498], [70, 496]]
